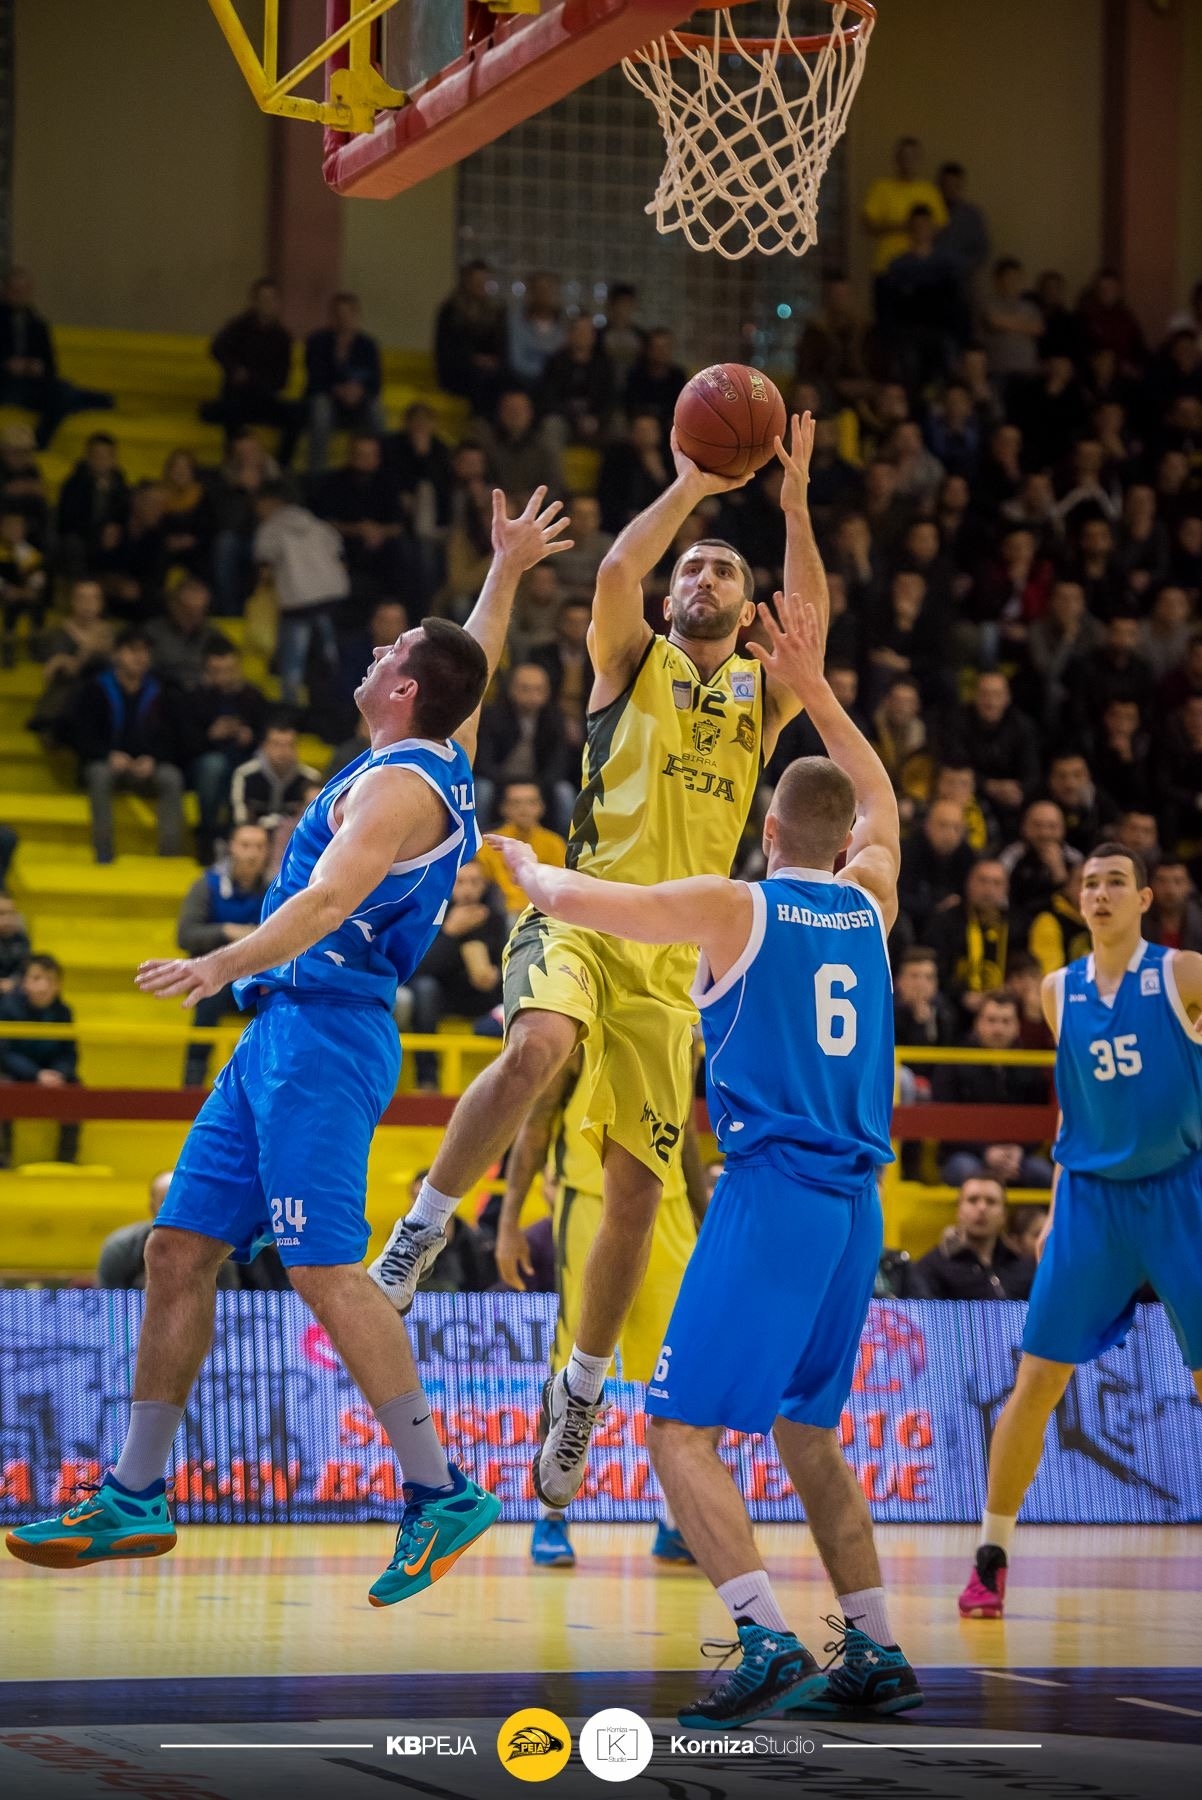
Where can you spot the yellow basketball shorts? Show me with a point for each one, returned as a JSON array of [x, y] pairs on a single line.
[[575, 1220], [633, 1007]]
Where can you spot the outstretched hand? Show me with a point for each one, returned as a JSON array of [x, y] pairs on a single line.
[[796, 461], [523, 865], [535, 533], [707, 483], [192, 979], [795, 652]]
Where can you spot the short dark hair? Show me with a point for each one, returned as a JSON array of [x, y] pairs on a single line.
[[951, 168], [623, 290], [101, 437], [451, 671], [51, 964], [1004, 264], [736, 556], [815, 807], [1019, 1219], [986, 1175], [344, 296], [921, 211], [1112, 847], [133, 634], [217, 644], [998, 997], [272, 489], [918, 953]]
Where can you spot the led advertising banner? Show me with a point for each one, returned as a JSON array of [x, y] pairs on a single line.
[[275, 1431]]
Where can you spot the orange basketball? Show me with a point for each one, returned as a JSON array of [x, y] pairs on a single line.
[[728, 418]]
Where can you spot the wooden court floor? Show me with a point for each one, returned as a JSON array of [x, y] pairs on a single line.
[[269, 1627]]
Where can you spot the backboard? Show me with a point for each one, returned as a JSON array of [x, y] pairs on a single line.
[[471, 71]]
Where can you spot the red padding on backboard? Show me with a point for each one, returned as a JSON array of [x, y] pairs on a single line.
[[526, 64]]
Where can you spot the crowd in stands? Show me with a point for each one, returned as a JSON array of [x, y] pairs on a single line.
[[1007, 491]]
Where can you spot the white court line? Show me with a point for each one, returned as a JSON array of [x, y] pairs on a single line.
[[1030, 1680], [920, 1747], [1187, 1712]]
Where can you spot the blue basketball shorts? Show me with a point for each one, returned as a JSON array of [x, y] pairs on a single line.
[[1107, 1239], [278, 1151], [772, 1304]]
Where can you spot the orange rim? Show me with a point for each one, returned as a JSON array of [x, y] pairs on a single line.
[[677, 41]]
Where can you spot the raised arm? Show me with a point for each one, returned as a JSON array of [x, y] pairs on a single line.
[[619, 632], [517, 545], [794, 654], [804, 573], [391, 814], [703, 909]]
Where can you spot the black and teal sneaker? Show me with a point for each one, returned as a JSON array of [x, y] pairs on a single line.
[[106, 1524], [870, 1678], [776, 1670], [436, 1527]]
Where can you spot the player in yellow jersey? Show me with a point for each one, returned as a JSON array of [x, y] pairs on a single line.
[[554, 1128], [678, 731]]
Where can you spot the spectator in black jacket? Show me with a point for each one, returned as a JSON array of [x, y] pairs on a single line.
[[221, 906], [254, 351], [343, 367], [361, 502], [50, 1062], [1087, 812], [934, 865], [972, 940], [14, 945], [522, 739], [271, 785], [634, 472], [655, 381], [420, 465], [578, 384], [461, 971], [28, 369], [221, 721], [471, 340], [180, 636], [1001, 745], [997, 1027], [972, 1260], [1174, 917], [1038, 862], [124, 740], [93, 507]]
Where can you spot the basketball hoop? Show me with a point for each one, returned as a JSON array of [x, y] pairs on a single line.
[[745, 155]]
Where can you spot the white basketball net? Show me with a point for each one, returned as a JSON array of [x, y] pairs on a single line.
[[745, 156]]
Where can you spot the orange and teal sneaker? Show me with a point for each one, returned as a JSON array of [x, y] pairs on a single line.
[[436, 1527], [105, 1524]]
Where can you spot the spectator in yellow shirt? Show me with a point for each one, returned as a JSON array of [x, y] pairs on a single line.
[[521, 809], [892, 198]]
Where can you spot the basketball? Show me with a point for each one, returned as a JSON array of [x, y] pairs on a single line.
[[728, 418]]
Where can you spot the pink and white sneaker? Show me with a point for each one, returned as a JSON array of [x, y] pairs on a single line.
[[985, 1595]]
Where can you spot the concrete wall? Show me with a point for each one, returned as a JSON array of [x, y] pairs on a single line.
[[141, 164], [1189, 232], [399, 257], [1012, 91]]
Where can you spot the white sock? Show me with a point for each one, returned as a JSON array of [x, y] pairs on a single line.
[[866, 1608], [586, 1374], [433, 1208], [997, 1529], [750, 1597], [665, 1513]]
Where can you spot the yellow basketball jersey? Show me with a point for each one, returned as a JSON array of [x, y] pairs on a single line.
[[670, 771], [577, 1163]]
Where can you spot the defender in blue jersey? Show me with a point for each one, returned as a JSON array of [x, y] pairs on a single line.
[[1127, 1198], [797, 1008], [279, 1149]]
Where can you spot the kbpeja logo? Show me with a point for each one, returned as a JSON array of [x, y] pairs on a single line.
[[534, 1744]]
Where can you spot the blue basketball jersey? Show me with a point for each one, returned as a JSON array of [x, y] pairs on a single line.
[[385, 938], [1129, 1074], [799, 1033]]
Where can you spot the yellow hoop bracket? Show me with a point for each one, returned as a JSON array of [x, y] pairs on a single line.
[[356, 93]]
